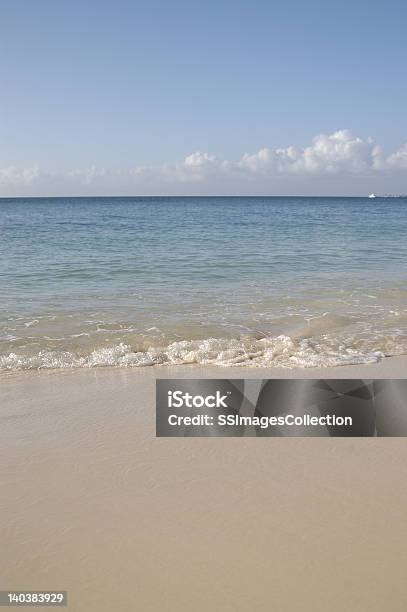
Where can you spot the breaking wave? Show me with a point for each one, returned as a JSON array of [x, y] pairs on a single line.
[[282, 350]]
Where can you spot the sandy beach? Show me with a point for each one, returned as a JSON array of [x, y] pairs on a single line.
[[94, 504]]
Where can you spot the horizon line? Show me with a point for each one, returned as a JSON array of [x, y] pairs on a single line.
[[54, 197]]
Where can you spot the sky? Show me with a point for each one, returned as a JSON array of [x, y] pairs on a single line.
[[202, 98]]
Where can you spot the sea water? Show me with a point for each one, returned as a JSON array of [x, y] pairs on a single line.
[[291, 281]]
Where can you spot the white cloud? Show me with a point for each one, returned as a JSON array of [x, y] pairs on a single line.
[[336, 153], [200, 160], [87, 175], [339, 163], [398, 159], [16, 176]]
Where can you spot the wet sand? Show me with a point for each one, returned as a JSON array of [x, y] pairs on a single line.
[[94, 504]]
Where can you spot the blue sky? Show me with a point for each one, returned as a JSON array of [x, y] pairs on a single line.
[[113, 96]]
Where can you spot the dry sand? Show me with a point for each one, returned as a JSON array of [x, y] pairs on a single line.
[[94, 504]]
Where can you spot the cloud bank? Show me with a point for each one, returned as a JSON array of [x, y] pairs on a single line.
[[333, 164]]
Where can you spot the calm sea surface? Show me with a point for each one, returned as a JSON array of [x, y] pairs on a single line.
[[142, 281]]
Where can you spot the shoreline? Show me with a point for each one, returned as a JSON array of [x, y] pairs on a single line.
[[389, 367]]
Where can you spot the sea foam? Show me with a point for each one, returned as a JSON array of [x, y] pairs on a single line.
[[278, 351]]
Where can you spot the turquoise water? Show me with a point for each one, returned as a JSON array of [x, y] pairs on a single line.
[[261, 281]]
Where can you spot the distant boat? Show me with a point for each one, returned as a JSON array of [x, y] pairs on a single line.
[[372, 196]]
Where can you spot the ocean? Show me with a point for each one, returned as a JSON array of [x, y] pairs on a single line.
[[261, 281]]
